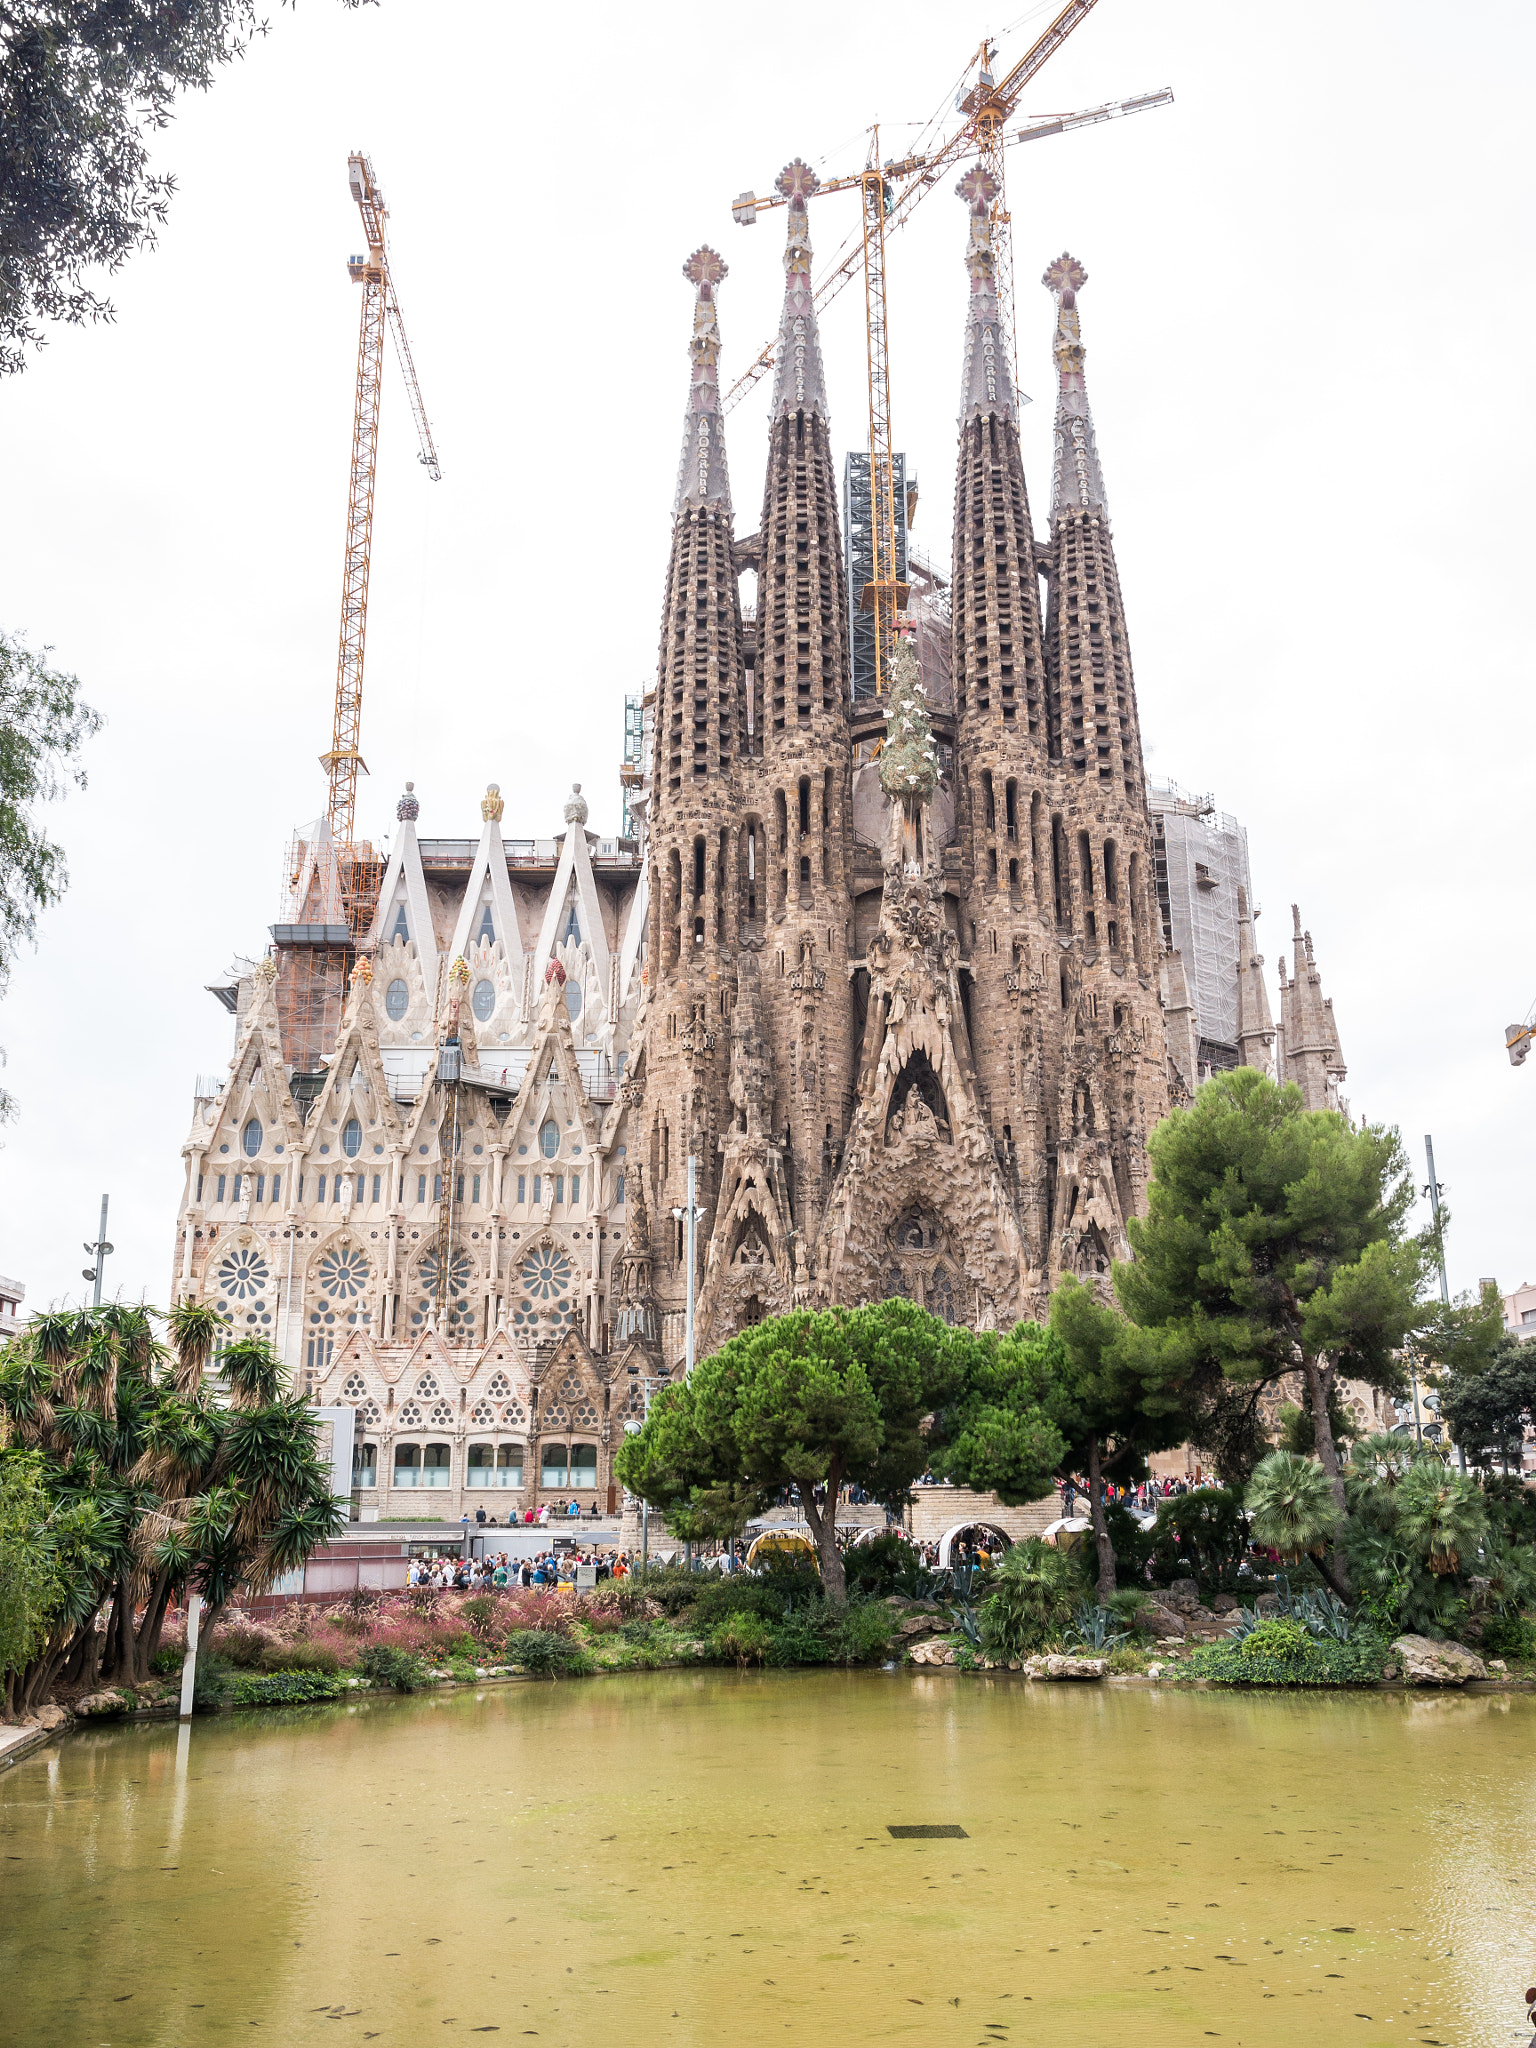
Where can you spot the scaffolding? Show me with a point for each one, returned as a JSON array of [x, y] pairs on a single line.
[[859, 557], [639, 713], [1200, 862]]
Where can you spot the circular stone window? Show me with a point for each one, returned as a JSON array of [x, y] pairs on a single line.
[[546, 1272], [483, 1001], [352, 1137], [397, 1000], [243, 1275], [549, 1139], [344, 1273]]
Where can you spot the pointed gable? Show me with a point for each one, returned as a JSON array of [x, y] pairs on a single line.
[[573, 900]]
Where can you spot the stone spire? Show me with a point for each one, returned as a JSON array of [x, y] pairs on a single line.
[[1077, 482], [799, 382], [1255, 1026], [1094, 725], [998, 654], [986, 382], [793, 859], [1312, 1057], [701, 477]]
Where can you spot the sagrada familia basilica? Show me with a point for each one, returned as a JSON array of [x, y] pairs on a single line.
[[890, 970]]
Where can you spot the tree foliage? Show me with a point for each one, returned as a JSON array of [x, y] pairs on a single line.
[[157, 1479], [85, 85], [43, 726], [1490, 1405], [1276, 1240], [805, 1402]]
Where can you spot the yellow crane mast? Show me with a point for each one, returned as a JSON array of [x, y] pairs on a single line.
[[889, 193], [380, 307]]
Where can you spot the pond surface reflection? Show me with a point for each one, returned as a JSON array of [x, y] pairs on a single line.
[[704, 1857]]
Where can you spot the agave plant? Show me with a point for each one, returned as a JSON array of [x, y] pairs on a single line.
[[1092, 1626]]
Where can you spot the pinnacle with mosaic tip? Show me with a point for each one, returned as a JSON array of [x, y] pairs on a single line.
[[797, 181], [706, 266]]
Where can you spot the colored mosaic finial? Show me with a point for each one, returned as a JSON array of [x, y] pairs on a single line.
[[1077, 483], [799, 382], [702, 477], [909, 763], [986, 383]]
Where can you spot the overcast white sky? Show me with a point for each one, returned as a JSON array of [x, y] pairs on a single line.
[[1308, 326]]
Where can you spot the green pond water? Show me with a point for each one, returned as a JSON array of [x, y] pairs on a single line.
[[704, 1857]]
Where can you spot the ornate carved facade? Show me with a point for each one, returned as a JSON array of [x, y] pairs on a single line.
[[891, 972]]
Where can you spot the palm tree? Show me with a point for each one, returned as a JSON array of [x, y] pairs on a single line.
[[161, 1479], [1441, 1515], [1290, 1501]]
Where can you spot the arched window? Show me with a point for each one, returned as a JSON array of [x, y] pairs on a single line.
[[397, 999], [573, 999], [435, 1461], [549, 1139], [407, 1464], [351, 1137], [552, 1465], [583, 1469], [483, 1001], [365, 1464], [487, 932], [250, 1138]]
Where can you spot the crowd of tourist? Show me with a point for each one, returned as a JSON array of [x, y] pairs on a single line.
[[499, 1573]]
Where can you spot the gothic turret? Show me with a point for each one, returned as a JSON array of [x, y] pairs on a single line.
[[1309, 1044]]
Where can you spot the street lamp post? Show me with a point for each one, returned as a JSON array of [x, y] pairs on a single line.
[[690, 1216], [647, 1388], [98, 1252]]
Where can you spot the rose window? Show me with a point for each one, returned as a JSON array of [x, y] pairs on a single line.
[[441, 1416], [499, 1388], [546, 1272], [354, 1386], [369, 1415], [458, 1326], [426, 1386], [514, 1414], [483, 1415], [410, 1416], [344, 1273], [244, 1275]]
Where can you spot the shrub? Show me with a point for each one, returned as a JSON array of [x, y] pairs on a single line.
[[1093, 1628], [742, 1639], [383, 1664], [862, 1633], [1202, 1535], [1133, 1545], [285, 1688], [886, 1564], [481, 1615], [540, 1650], [1281, 1652], [800, 1639], [358, 1614], [719, 1599], [241, 1643], [299, 1656], [424, 1601], [168, 1659], [1031, 1601], [1509, 1635], [1511, 1506], [1131, 1609]]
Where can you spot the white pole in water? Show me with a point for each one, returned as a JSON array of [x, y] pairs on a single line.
[[189, 1662]]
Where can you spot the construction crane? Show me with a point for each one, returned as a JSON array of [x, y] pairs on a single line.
[[1517, 1037], [889, 193], [357, 874]]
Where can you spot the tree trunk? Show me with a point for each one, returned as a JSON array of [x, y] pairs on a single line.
[[148, 1639], [1320, 1379], [822, 1523], [1102, 1544]]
